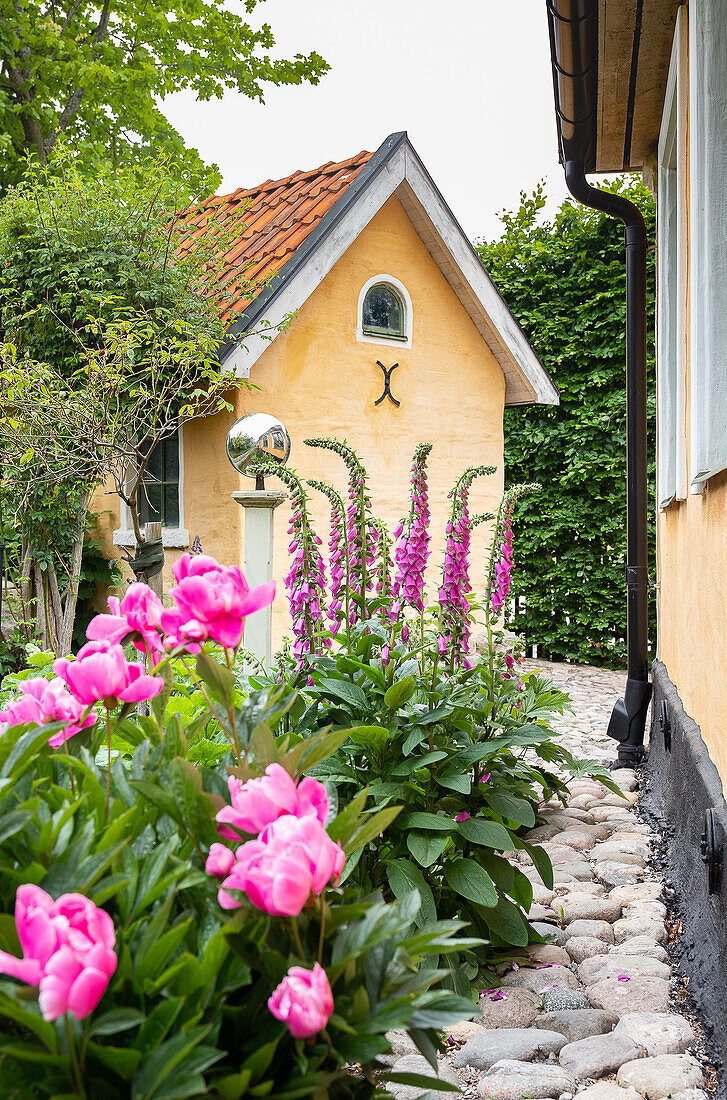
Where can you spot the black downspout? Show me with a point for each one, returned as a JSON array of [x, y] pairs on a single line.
[[573, 27], [628, 719]]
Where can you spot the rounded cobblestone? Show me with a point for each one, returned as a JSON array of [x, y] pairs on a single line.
[[601, 983]]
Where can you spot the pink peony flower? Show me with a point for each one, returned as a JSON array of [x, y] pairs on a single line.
[[293, 860], [259, 801], [275, 881], [42, 701], [212, 601], [303, 1001], [68, 951], [139, 611], [101, 672], [220, 861]]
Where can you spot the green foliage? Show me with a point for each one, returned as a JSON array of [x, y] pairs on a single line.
[[99, 74], [419, 737], [565, 283], [111, 341], [12, 656], [75, 251], [185, 1014], [98, 574]]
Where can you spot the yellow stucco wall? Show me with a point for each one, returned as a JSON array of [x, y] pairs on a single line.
[[321, 381], [692, 634]]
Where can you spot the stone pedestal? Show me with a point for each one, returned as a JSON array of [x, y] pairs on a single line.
[[259, 505]]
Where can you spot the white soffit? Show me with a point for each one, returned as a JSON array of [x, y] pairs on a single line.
[[403, 175]]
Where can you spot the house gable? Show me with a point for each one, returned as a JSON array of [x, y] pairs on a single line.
[[395, 169]]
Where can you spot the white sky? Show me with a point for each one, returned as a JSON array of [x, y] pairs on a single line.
[[469, 80]]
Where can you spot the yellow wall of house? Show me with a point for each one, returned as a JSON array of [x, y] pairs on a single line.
[[692, 574], [321, 381]]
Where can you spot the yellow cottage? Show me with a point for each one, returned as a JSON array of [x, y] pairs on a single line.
[[642, 85], [381, 282]]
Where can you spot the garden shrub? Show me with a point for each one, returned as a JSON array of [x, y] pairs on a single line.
[[430, 727], [173, 994]]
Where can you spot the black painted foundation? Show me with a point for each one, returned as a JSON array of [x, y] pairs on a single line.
[[682, 784]]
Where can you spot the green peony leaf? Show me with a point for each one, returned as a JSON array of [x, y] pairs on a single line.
[[471, 881]]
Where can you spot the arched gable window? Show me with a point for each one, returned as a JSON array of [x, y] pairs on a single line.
[[383, 313]]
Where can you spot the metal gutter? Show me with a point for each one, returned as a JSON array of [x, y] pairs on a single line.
[[573, 28]]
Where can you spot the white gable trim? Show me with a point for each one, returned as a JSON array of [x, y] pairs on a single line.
[[403, 174]]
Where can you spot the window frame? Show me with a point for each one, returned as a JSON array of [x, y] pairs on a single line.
[[672, 280], [707, 76], [387, 333], [143, 503], [172, 537], [367, 335]]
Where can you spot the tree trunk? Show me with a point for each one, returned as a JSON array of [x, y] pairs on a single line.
[[156, 583], [41, 618], [55, 610], [26, 564], [74, 574]]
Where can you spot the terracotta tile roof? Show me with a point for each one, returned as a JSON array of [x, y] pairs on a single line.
[[275, 218]]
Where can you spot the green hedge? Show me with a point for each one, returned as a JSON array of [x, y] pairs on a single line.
[[565, 282]]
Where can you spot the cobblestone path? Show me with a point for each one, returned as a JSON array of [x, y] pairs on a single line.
[[592, 1013]]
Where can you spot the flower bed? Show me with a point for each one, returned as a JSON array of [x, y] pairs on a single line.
[[235, 882]]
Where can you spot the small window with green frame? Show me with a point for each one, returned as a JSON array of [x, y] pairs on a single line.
[[383, 313], [158, 496]]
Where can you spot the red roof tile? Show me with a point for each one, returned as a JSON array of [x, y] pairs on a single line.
[[274, 220]]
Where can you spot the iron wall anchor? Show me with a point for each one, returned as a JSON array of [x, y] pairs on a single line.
[[665, 724], [710, 847], [388, 371]]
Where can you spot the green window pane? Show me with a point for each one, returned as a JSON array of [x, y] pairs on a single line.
[[151, 503], [171, 505], [158, 498], [170, 464], [383, 312]]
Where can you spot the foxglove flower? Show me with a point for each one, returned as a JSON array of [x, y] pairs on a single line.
[[455, 587], [338, 563], [305, 582], [411, 551], [360, 537], [501, 560]]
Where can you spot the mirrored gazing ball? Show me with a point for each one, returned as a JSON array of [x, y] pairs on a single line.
[[255, 437]]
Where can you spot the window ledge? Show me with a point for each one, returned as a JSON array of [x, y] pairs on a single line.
[[173, 538], [385, 341]]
